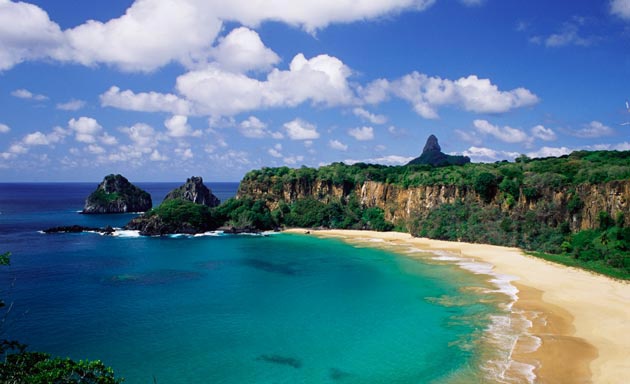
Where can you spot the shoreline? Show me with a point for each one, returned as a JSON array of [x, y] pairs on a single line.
[[580, 319]]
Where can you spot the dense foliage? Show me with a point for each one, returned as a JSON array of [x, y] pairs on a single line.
[[19, 366], [306, 213], [533, 175]]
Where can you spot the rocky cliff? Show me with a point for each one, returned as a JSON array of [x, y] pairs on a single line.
[[195, 191], [579, 206], [115, 194]]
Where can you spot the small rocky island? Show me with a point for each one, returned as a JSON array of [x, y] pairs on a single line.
[[194, 190], [185, 209], [432, 155], [115, 194]]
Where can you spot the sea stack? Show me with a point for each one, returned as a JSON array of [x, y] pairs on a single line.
[[194, 190], [115, 194]]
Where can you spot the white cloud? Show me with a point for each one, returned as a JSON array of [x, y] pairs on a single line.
[[481, 154], [28, 95], [72, 105], [4, 128], [362, 133], [293, 160], [95, 149], [184, 153], [426, 94], [177, 126], [142, 135], [546, 134], [36, 138], [549, 152], [366, 115], [276, 151], [620, 8], [387, 160], [157, 156], [86, 129], [145, 101], [337, 145], [299, 129], [592, 130], [242, 50], [253, 128], [568, 35], [506, 134], [26, 32], [108, 140], [323, 80], [139, 40]]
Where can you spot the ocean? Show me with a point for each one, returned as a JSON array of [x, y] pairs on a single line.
[[281, 308]]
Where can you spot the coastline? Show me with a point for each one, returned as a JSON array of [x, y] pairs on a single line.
[[580, 319]]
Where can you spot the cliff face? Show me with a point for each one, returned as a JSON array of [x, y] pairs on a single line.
[[194, 190], [579, 206], [115, 194]]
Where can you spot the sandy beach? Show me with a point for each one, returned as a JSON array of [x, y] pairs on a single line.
[[581, 319]]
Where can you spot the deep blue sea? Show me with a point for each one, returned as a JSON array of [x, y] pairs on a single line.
[[281, 308]]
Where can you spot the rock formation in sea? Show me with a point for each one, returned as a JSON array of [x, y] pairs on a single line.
[[185, 209], [194, 190], [432, 155], [115, 194]]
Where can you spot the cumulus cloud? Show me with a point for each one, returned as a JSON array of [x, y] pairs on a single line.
[[275, 151], [426, 94], [142, 135], [72, 105], [177, 126], [157, 156], [184, 153], [481, 154], [506, 134], [86, 129], [27, 33], [28, 95], [138, 40], [34, 139], [4, 128], [592, 130], [253, 128], [550, 152], [299, 129], [322, 80], [337, 145], [546, 134], [620, 8], [242, 50], [368, 116], [362, 133], [145, 101]]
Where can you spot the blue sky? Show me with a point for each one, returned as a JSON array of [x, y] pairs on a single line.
[[160, 90]]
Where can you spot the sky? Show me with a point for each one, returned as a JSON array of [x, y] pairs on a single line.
[[160, 90]]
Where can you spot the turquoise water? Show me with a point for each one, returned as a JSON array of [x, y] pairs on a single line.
[[242, 309]]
